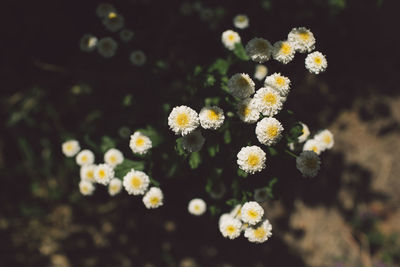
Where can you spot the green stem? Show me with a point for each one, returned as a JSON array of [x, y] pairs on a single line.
[[290, 153]]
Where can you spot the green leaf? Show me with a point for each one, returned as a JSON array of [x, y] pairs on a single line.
[[294, 133], [232, 202], [240, 52], [209, 81], [220, 65], [270, 187], [172, 170], [194, 160], [179, 147], [106, 143], [272, 151], [242, 173], [213, 150], [154, 182], [197, 70], [214, 210], [122, 169], [212, 101]]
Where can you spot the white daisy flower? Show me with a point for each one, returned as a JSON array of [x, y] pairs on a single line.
[[259, 49], [241, 21], [278, 82], [104, 9], [241, 85], [251, 159], [113, 157], [197, 206], [107, 47], [236, 211], [136, 182], [183, 120], [305, 133], [138, 58], [86, 188], [248, 111], [103, 173], [308, 163], [302, 38], [87, 173], [283, 51], [268, 131], [259, 234], [85, 157], [325, 138], [230, 228], [70, 148], [268, 101], [313, 145], [193, 142], [252, 212], [114, 187], [260, 72], [126, 35], [88, 43], [113, 21], [316, 62], [153, 198], [140, 143], [223, 217], [230, 38], [211, 117]]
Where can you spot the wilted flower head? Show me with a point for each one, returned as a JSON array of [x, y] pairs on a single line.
[[259, 49], [193, 142], [113, 21], [241, 85], [107, 47], [126, 35], [308, 163], [137, 57]]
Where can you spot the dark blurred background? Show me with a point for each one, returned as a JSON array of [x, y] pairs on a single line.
[[51, 90]]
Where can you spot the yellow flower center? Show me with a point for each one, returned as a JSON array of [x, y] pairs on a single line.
[[304, 36], [270, 99], [253, 160], [317, 60], [231, 37], [241, 18], [85, 189], [197, 207], [154, 200], [280, 81], [212, 115], [139, 141], [90, 175], [102, 174], [252, 214], [113, 159], [242, 82], [315, 149], [286, 49], [230, 229], [244, 111], [136, 182], [114, 188], [84, 158], [182, 120], [69, 147], [272, 131], [260, 232], [112, 15], [327, 139]]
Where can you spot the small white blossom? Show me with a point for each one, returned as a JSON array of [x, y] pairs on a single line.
[[107, 47], [197, 206], [211, 117], [305, 133], [268, 131], [86, 188], [138, 58], [136, 182], [248, 111], [140, 143], [268, 101], [87, 173], [251, 159], [113, 157], [70, 148], [114, 187], [259, 234], [303, 39], [316, 62], [153, 198], [241, 21], [325, 138], [252, 212], [230, 228], [85, 157], [260, 72], [283, 51], [279, 82], [230, 39], [103, 173], [313, 145], [183, 120]]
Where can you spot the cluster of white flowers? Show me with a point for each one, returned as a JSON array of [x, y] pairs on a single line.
[[260, 50], [322, 141], [249, 219], [135, 182], [185, 121]]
